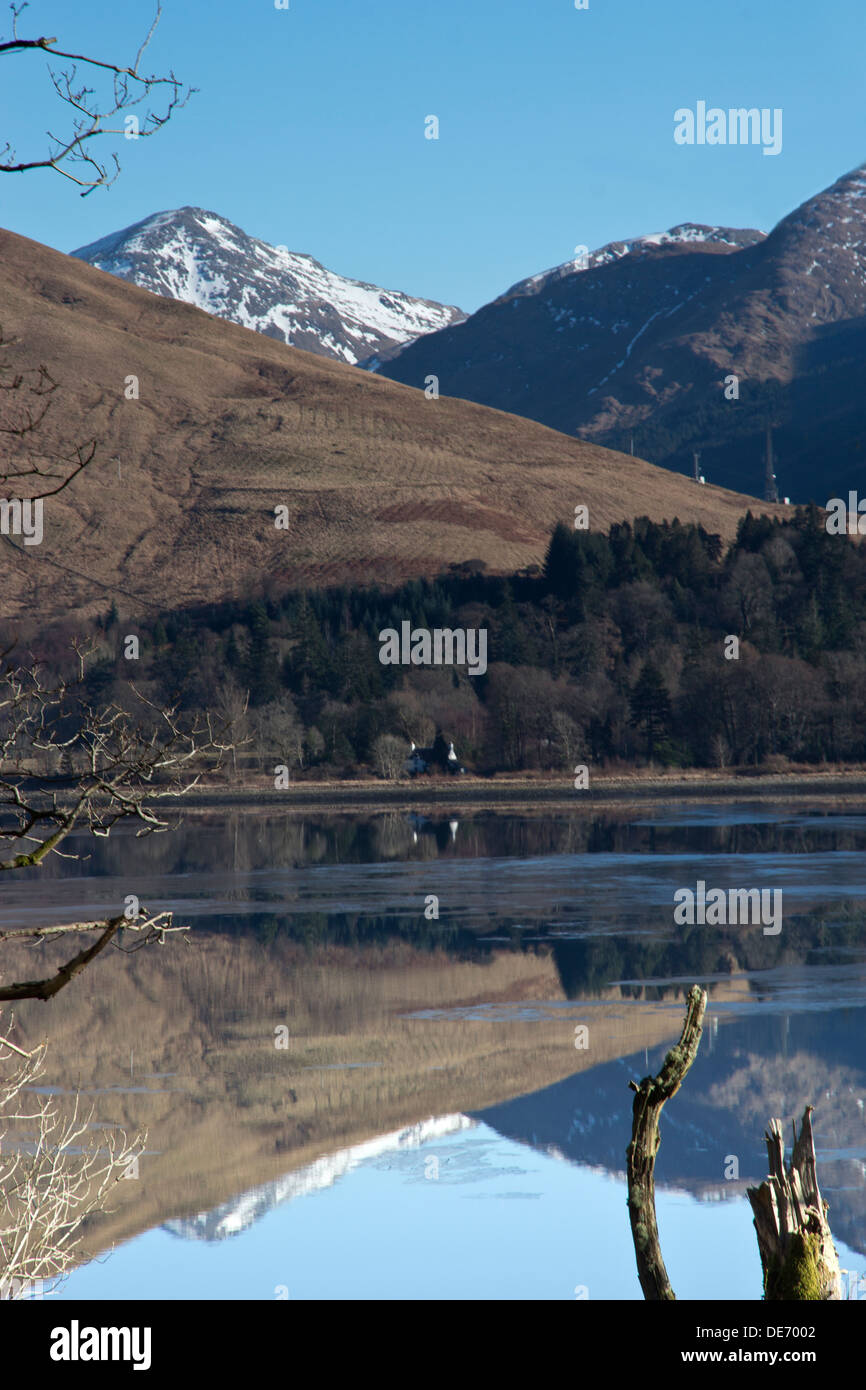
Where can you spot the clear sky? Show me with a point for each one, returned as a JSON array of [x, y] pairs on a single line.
[[556, 125]]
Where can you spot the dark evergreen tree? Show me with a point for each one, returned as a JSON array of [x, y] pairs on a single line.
[[651, 705], [560, 571]]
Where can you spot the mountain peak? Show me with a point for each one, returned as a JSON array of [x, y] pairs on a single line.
[[636, 344], [842, 204], [686, 234], [202, 258]]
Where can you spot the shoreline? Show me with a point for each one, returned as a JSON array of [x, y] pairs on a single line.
[[477, 793]]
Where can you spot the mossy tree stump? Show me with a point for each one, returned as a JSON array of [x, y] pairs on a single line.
[[798, 1256]]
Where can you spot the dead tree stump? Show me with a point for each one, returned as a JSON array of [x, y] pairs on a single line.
[[798, 1256], [650, 1096]]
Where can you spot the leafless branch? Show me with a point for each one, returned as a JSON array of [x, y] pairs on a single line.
[[66, 765], [94, 114], [29, 463], [151, 928], [50, 1182]]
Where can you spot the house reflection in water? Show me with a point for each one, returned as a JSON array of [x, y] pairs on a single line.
[[443, 833]]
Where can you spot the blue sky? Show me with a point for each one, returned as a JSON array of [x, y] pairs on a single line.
[[556, 125]]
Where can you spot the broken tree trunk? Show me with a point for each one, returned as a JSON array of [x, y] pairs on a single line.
[[797, 1251], [649, 1099]]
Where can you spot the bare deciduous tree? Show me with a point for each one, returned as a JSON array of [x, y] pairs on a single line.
[[52, 1175], [567, 737], [120, 765], [32, 464], [389, 754], [279, 732], [147, 928], [66, 766], [26, 390], [232, 704], [721, 753]]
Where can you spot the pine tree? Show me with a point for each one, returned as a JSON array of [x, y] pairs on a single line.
[[262, 669], [560, 562], [650, 705], [310, 666]]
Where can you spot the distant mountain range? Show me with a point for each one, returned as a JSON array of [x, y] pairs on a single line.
[[632, 345], [202, 259]]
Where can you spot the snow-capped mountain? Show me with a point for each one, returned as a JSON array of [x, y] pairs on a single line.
[[686, 232], [202, 259], [637, 341]]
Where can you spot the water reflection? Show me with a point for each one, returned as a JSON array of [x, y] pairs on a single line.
[[397, 1022], [244, 841]]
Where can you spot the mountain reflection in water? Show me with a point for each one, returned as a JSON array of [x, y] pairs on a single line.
[[407, 1032]]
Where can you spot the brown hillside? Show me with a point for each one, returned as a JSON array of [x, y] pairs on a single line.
[[178, 504]]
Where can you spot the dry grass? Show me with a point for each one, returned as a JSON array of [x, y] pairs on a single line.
[[381, 483]]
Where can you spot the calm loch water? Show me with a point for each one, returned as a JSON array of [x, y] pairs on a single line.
[[390, 1059]]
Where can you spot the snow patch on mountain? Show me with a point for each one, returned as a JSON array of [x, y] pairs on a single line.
[[202, 259], [685, 233]]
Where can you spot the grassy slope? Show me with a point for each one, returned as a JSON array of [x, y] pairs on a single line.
[[178, 504]]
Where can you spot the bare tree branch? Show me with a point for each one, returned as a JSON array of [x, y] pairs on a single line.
[[153, 928], [93, 114], [30, 463], [50, 1184], [65, 765]]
